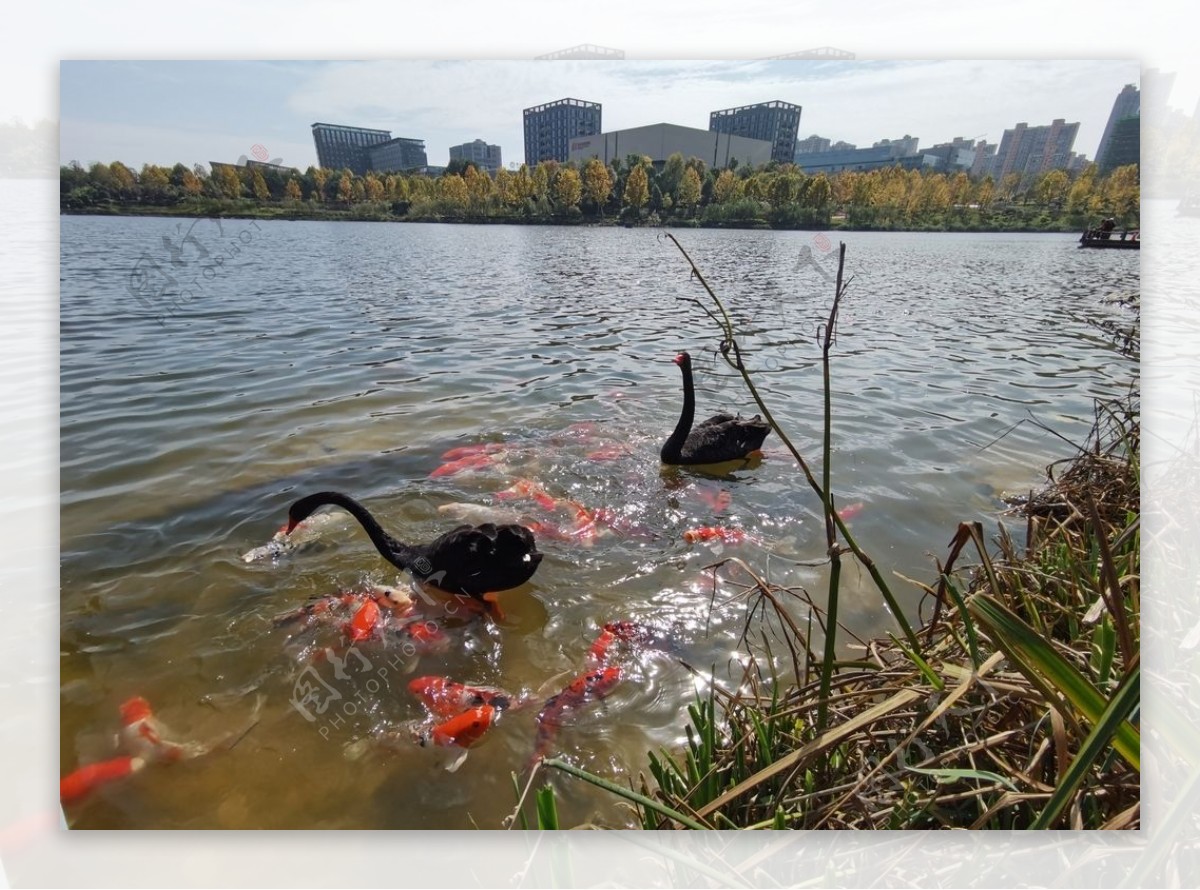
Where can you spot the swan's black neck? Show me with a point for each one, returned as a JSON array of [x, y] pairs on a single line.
[[673, 448], [396, 552]]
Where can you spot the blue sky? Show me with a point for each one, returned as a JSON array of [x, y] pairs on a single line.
[[200, 111]]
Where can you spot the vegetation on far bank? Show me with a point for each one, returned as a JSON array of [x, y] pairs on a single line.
[[680, 193]]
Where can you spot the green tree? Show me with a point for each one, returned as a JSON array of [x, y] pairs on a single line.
[[154, 183], [671, 175]]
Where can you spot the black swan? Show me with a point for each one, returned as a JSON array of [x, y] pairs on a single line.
[[720, 438], [470, 559]]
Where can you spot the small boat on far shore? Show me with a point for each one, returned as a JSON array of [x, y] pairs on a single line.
[[1126, 240]]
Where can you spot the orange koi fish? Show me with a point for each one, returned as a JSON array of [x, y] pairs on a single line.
[[587, 687], [391, 599], [424, 636], [472, 450], [464, 730], [850, 511], [613, 631], [721, 533], [362, 625], [444, 698], [454, 467], [86, 779]]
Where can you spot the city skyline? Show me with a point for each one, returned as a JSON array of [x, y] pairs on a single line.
[[199, 112]]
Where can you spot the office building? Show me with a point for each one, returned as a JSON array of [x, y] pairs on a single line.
[[776, 122], [549, 128], [339, 146], [483, 156], [837, 160], [1031, 151], [659, 141], [396, 155], [1127, 104]]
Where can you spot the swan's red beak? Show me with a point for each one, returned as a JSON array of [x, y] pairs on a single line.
[[287, 529]]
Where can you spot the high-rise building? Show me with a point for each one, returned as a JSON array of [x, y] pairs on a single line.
[[340, 146], [549, 128], [1127, 104], [1124, 145], [985, 157], [1027, 150], [396, 154], [777, 122], [904, 147], [479, 153], [811, 144]]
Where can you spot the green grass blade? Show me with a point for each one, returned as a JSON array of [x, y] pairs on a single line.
[[626, 793], [1038, 661], [547, 811], [953, 775], [1123, 703]]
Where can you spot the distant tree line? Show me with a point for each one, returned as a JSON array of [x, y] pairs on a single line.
[[680, 192]]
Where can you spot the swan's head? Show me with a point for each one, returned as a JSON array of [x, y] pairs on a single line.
[[683, 359]]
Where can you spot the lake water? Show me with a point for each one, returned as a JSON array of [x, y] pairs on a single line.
[[352, 356]]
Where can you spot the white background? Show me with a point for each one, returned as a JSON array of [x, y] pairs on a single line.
[[33, 848]]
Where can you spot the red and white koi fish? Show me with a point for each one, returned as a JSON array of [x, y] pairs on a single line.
[[142, 735], [444, 698], [454, 467], [722, 533], [79, 784], [587, 687], [525, 488], [142, 741]]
